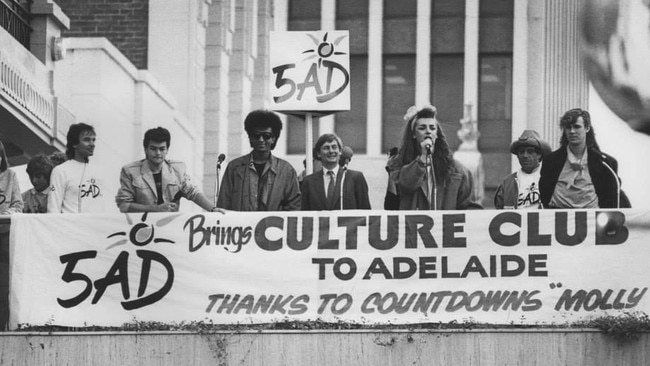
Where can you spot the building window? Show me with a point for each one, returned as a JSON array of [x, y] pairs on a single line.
[[351, 125], [496, 8], [447, 64], [352, 15], [495, 88], [398, 94], [400, 9], [447, 93], [398, 90], [400, 24], [296, 134], [351, 9], [304, 15], [495, 115], [496, 19], [447, 26]]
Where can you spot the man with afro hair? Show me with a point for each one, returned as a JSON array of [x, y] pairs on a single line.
[[259, 181]]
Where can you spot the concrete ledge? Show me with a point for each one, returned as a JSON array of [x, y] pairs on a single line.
[[50, 8], [326, 347], [140, 76]]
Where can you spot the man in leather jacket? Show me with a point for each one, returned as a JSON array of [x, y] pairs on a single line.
[[578, 174]]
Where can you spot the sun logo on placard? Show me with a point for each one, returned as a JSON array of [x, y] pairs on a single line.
[[142, 233], [323, 48]]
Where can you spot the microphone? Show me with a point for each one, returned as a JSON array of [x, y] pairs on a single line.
[[177, 197], [220, 159], [346, 156], [428, 144]]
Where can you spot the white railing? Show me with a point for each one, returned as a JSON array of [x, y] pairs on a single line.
[[19, 89]]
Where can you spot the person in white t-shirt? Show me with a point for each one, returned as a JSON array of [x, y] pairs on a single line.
[[520, 190], [77, 186]]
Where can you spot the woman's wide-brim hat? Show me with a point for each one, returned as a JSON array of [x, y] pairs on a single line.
[[530, 138]]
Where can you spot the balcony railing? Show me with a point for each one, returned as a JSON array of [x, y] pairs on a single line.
[[14, 17], [19, 86]]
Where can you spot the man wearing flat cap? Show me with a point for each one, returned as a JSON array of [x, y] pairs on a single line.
[[520, 190]]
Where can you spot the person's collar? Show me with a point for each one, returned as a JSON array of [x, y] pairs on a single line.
[[271, 161], [154, 169], [146, 167], [252, 159], [45, 191], [335, 170], [573, 159], [578, 165], [534, 171]]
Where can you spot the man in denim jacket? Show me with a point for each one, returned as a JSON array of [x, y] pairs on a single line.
[[155, 184], [259, 181]]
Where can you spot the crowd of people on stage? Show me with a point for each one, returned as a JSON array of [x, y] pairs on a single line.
[[422, 174]]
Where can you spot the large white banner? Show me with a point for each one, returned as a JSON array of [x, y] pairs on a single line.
[[535, 267]]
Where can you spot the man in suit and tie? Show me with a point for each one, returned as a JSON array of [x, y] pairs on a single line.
[[322, 189]]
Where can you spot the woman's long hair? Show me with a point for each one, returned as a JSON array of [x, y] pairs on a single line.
[[409, 149]]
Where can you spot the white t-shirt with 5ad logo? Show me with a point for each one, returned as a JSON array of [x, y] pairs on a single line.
[[77, 187], [528, 190]]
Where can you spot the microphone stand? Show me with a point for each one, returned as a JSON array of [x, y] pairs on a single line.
[[429, 166], [618, 184], [216, 184]]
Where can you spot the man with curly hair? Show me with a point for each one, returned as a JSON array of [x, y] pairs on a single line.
[[260, 181]]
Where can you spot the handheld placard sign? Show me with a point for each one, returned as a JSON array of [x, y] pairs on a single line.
[[310, 72], [310, 76]]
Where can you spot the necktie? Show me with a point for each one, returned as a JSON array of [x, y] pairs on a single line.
[[330, 186], [576, 166]]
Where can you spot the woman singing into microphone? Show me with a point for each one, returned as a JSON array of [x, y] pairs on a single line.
[[424, 172]]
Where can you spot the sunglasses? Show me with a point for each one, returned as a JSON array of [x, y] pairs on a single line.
[[264, 135]]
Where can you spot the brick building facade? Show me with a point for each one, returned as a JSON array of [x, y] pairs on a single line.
[[124, 23]]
